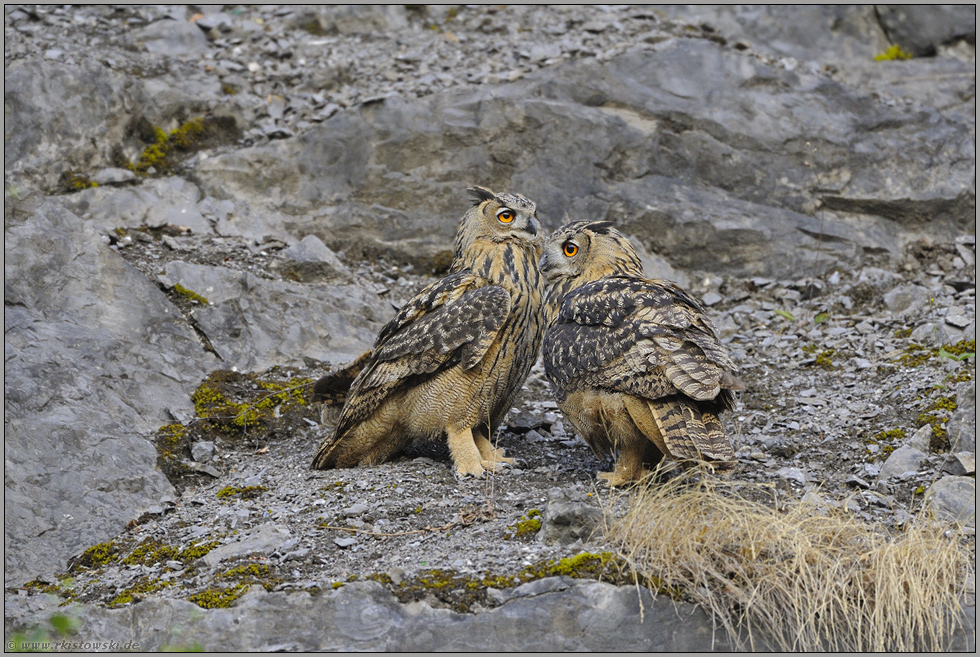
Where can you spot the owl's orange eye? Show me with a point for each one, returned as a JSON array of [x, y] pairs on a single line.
[[570, 249], [506, 216]]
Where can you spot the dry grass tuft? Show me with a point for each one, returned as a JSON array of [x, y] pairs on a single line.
[[794, 578]]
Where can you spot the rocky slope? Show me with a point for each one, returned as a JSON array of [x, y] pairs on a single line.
[[206, 209]]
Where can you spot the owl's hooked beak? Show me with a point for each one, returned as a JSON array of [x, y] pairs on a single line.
[[545, 264], [532, 227]]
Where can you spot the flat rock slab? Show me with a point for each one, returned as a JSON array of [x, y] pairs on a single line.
[[255, 323], [586, 616], [94, 355]]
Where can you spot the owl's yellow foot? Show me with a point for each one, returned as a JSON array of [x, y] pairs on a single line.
[[466, 456], [495, 465], [629, 466], [489, 453]]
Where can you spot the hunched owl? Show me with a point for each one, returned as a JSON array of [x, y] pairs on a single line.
[[635, 363], [452, 360]]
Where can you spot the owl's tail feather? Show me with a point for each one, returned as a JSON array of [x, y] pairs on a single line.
[[326, 456], [692, 432], [332, 388]]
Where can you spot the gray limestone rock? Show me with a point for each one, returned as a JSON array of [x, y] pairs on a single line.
[[355, 19], [171, 38], [264, 539], [589, 616], [62, 117], [114, 176], [955, 499], [254, 323], [921, 29], [906, 299], [921, 439], [567, 520], [902, 460], [348, 185], [94, 355], [961, 429]]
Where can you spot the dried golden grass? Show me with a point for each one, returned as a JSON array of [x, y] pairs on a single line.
[[793, 578]]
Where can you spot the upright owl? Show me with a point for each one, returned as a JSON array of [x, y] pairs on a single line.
[[634, 362], [454, 357]]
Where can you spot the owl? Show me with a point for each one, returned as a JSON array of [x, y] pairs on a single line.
[[452, 360], [634, 363]]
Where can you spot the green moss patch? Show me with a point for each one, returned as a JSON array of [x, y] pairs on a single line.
[[232, 407], [218, 598], [75, 182], [243, 492], [151, 552], [143, 586], [218, 399], [462, 593], [167, 149], [190, 295], [893, 53], [196, 551], [96, 556], [528, 525], [916, 354]]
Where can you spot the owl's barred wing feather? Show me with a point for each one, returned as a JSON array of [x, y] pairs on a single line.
[[640, 336], [452, 321]]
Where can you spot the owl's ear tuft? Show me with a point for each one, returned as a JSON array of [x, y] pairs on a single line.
[[600, 227], [481, 194]]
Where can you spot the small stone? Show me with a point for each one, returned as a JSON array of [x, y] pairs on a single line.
[[856, 482], [202, 451], [264, 538], [206, 468], [296, 555], [903, 460], [794, 474], [565, 521], [355, 510], [344, 542], [961, 463], [959, 321], [955, 499], [921, 438], [906, 299], [114, 176], [397, 576], [711, 299], [539, 586]]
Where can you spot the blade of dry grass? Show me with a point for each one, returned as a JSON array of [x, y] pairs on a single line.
[[795, 578]]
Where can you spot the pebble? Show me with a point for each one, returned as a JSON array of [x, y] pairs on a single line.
[[903, 460], [954, 498], [114, 176], [202, 451], [921, 439], [794, 474], [355, 510]]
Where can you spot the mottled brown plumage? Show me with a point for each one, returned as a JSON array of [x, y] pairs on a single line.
[[635, 363], [454, 357]]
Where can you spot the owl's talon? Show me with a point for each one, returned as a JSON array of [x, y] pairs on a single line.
[[496, 466]]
